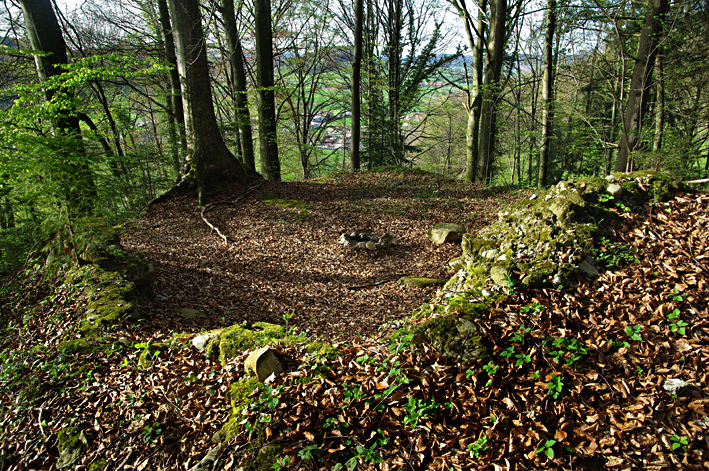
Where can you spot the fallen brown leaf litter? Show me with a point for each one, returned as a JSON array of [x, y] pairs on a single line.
[[575, 380]]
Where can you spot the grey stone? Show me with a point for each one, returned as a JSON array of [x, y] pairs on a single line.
[[490, 254], [498, 274], [588, 269], [446, 232], [201, 341], [610, 178], [188, 312], [674, 385], [420, 282], [262, 363], [615, 190], [207, 463]]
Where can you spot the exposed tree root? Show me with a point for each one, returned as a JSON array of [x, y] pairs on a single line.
[[236, 199]]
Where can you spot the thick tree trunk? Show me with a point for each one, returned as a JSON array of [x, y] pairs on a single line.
[[356, 84], [640, 82], [46, 36], [270, 164], [208, 156], [548, 94], [493, 71], [238, 75]]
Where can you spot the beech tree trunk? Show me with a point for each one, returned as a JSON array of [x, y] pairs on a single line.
[[548, 94], [208, 157], [175, 100], [45, 35], [640, 82], [493, 71], [270, 164], [356, 85], [238, 79], [476, 37]]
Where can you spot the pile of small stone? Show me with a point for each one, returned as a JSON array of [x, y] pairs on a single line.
[[360, 240]]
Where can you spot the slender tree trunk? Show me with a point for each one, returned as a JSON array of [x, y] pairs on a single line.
[[472, 105], [208, 156], [547, 94], [640, 82], [270, 165], [175, 99], [659, 104], [356, 84], [493, 71], [238, 84]]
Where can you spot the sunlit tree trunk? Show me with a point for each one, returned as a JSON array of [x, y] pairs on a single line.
[[640, 82], [659, 104], [270, 164], [493, 71], [238, 76], [547, 94], [208, 156], [177, 117], [356, 84], [45, 36]]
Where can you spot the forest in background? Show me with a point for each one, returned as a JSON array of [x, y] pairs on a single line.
[[105, 106]]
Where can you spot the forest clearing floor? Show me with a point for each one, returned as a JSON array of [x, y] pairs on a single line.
[[577, 379]]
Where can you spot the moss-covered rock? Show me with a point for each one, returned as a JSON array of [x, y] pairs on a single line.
[[232, 341], [71, 443], [542, 240], [419, 281], [456, 337], [241, 394], [110, 299], [99, 465], [322, 350]]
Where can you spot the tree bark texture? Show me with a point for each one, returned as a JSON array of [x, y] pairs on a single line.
[[548, 94], [270, 164], [175, 100], [491, 86], [208, 156], [238, 76], [640, 82], [659, 104], [45, 36], [356, 85]]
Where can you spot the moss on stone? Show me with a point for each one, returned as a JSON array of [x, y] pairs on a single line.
[[462, 304], [233, 340], [420, 282], [68, 438], [241, 395], [321, 350], [73, 346], [99, 465], [453, 336], [270, 330]]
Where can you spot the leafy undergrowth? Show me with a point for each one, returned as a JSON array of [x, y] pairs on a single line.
[[575, 379]]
